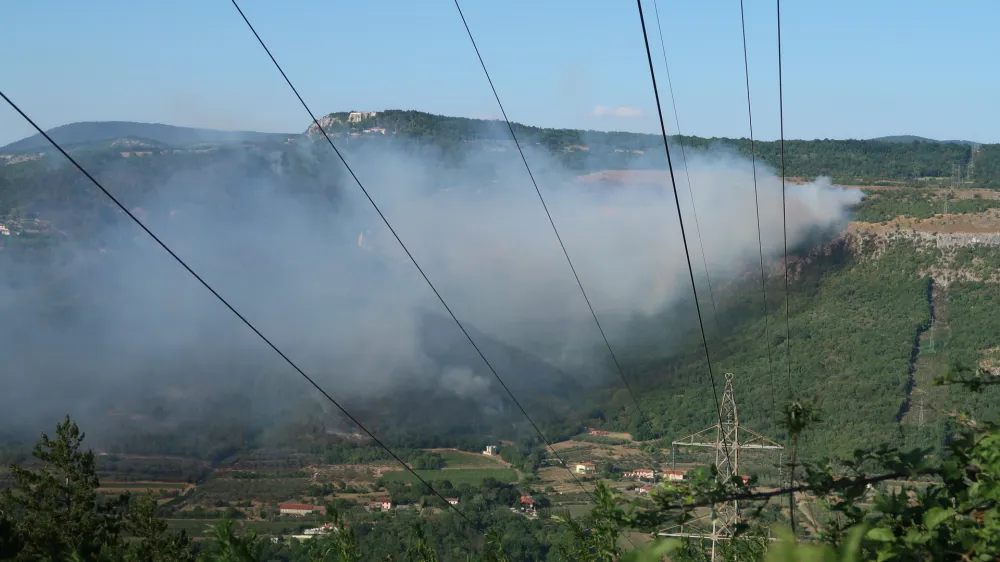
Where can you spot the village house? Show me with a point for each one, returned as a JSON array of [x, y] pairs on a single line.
[[745, 479], [641, 473], [644, 490], [673, 474], [452, 501], [491, 450], [527, 504], [585, 468], [295, 509], [384, 504]]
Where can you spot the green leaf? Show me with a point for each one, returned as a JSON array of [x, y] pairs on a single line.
[[880, 534], [936, 515]]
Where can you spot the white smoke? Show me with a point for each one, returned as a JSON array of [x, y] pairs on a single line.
[[333, 289]]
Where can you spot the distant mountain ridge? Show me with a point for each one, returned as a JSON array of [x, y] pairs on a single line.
[[96, 131], [914, 138], [907, 159]]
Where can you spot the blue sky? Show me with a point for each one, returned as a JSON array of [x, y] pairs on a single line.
[[852, 69]]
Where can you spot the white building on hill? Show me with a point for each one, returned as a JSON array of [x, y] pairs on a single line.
[[359, 116]]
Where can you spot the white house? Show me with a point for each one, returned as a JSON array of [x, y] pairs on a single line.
[[452, 501], [491, 450], [585, 468], [640, 473]]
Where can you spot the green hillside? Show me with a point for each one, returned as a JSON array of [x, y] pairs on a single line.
[[855, 312]]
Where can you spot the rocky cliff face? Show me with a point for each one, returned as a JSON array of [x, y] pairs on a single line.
[[945, 235]]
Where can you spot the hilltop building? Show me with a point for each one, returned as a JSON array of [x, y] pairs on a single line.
[[359, 116]]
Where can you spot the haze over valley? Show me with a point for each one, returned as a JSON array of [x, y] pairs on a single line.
[[886, 287]]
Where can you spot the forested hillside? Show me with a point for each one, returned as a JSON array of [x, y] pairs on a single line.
[[856, 306], [848, 161]]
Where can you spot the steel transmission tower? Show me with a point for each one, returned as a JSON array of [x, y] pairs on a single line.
[[730, 439]]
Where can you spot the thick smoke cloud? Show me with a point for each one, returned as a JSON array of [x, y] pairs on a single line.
[[329, 284]]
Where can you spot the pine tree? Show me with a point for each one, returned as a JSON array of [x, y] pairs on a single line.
[[55, 509]]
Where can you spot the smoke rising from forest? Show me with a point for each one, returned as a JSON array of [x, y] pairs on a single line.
[[103, 329]]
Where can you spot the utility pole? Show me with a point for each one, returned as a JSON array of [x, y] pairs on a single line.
[[730, 438], [955, 172], [971, 166]]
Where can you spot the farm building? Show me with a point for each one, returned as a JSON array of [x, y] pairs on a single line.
[[673, 474], [295, 509], [381, 503]]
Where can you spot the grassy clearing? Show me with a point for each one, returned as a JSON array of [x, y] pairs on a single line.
[[472, 476], [461, 459], [600, 440]]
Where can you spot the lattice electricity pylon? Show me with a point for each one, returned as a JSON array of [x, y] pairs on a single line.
[[730, 440]]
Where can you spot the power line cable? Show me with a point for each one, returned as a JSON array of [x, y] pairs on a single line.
[[784, 216], [549, 215], [680, 220], [756, 203], [687, 172], [229, 306], [406, 250], [784, 227]]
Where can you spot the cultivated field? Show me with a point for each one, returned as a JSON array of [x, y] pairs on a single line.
[[473, 476], [460, 459], [142, 486]]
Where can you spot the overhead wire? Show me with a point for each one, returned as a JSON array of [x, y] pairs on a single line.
[[687, 172], [680, 220], [784, 212], [407, 251], [784, 227], [548, 214], [231, 308], [756, 203]]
